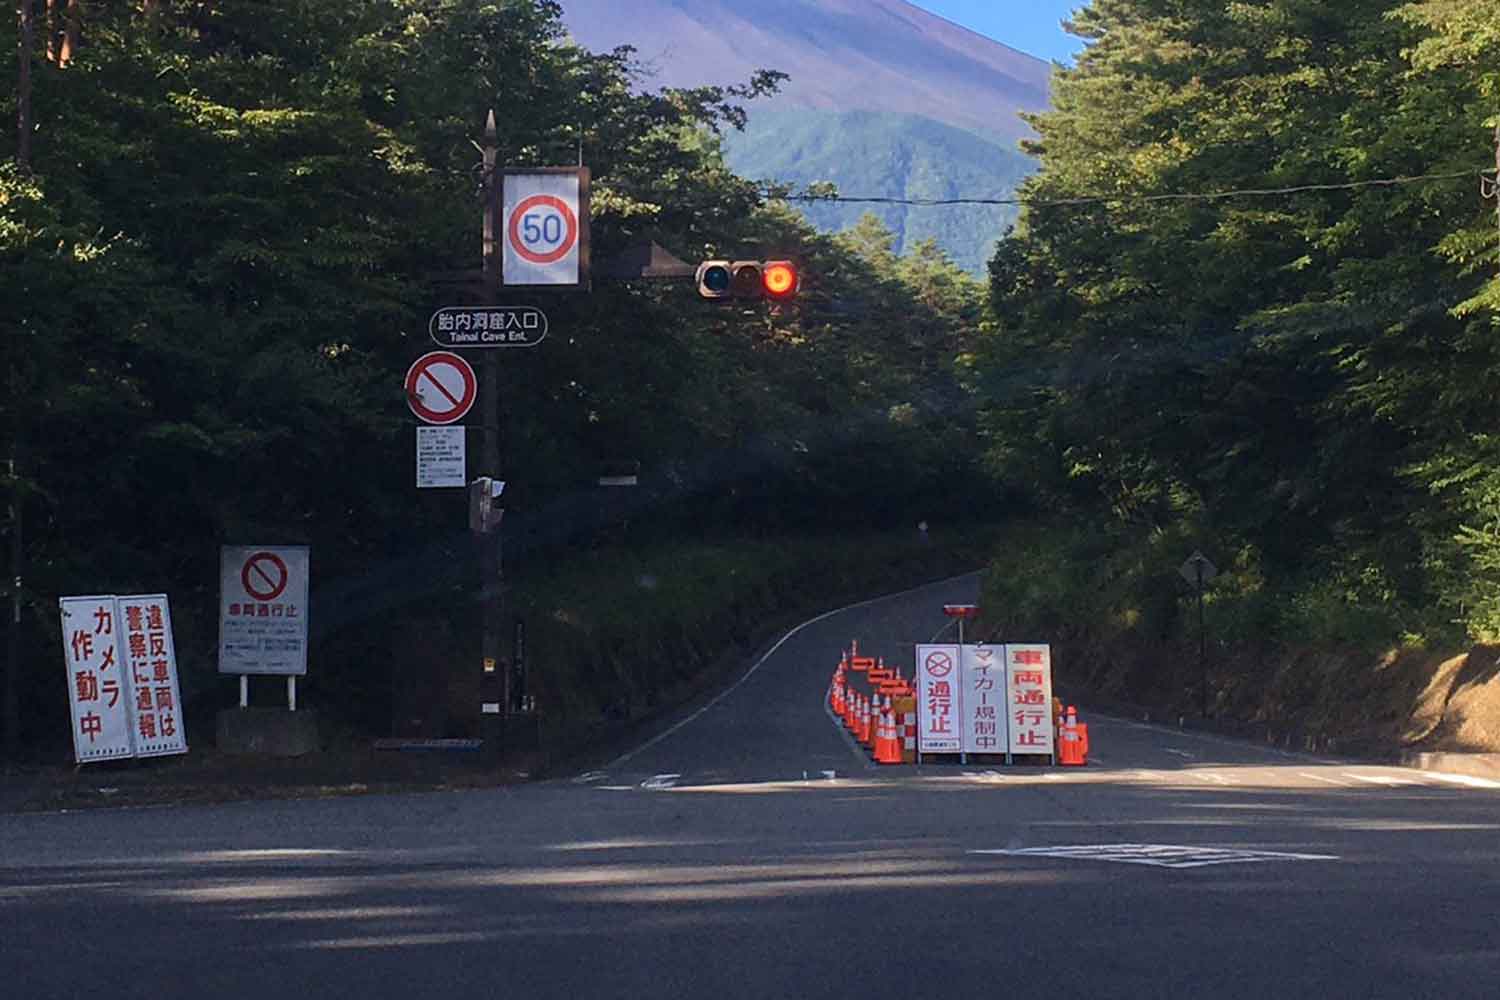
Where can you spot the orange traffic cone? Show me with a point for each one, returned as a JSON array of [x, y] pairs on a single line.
[[887, 750], [1070, 751]]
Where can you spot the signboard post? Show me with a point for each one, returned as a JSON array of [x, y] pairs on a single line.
[[984, 700], [152, 656], [98, 689], [1199, 572], [263, 614], [441, 457], [938, 699], [544, 228], [441, 387], [122, 677], [1028, 673], [488, 326]]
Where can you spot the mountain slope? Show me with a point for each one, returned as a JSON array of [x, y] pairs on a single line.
[[885, 100], [888, 156], [843, 55]]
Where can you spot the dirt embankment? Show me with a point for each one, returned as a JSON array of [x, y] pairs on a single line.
[[1339, 700]]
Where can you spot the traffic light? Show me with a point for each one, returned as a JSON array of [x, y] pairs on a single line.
[[777, 280]]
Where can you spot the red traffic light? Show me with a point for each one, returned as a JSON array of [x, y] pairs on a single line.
[[780, 279], [777, 280]]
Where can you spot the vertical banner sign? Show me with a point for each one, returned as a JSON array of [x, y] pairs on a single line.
[[98, 687], [441, 458], [544, 227], [263, 609], [984, 699], [938, 694], [156, 700], [1029, 690]]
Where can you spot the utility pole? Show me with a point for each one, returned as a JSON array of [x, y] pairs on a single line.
[[12, 712], [23, 87], [1495, 189], [490, 566], [11, 717]]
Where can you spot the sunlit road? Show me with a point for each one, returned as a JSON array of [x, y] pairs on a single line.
[[703, 864]]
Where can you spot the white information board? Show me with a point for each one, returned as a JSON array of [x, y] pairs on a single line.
[[263, 609], [983, 701], [939, 689], [441, 457], [99, 691], [151, 657], [1029, 687], [544, 227]]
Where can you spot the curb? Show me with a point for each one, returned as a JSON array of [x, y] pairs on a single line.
[[1475, 765]]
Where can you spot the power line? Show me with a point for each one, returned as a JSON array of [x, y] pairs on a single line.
[[1137, 198]]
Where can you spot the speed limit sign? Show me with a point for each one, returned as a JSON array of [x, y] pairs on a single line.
[[544, 226]]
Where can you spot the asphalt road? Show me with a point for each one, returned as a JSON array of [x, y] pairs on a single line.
[[703, 864]]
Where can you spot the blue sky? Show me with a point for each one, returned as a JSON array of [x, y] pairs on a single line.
[[1028, 25]]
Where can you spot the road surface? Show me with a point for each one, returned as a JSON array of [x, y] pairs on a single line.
[[704, 864]]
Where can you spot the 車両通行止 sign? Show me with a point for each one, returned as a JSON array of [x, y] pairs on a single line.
[[984, 699], [1029, 694], [544, 227], [263, 609]]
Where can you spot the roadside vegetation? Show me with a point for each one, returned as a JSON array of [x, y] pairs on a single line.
[[219, 247], [1302, 386], [218, 254]]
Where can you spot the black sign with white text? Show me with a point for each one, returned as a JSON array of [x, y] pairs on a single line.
[[488, 326]]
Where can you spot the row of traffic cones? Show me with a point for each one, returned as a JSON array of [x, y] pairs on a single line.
[[884, 721]]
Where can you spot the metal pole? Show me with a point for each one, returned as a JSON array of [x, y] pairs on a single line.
[[1202, 642], [291, 692], [244, 690], [963, 757], [13, 639], [23, 87], [490, 567]]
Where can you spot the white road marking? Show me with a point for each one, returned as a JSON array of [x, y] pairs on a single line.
[[589, 776], [1159, 855], [660, 781], [1180, 753], [1373, 779], [1326, 781], [1211, 778]]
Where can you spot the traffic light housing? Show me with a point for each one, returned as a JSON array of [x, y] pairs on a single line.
[[777, 280]]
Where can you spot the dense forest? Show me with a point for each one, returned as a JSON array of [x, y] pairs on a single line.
[[1251, 307], [1297, 380], [220, 229]]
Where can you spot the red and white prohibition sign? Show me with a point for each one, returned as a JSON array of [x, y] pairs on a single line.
[[440, 387], [939, 664], [542, 229], [264, 576]]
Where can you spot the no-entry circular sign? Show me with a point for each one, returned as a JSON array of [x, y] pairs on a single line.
[[440, 387], [542, 229], [264, 576]]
